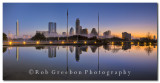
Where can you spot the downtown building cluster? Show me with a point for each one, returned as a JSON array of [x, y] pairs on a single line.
[[52, 31], [77, 31]]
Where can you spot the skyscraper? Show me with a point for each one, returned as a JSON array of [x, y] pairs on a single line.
[[50, 27], [71, 31], [17, 28], [64, 34], [107, 34], [94, 32], [154, 37], [78, 30], [84, 31], [54, 27], [126, 35]]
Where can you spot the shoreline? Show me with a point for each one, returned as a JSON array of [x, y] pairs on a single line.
[[28, 45]]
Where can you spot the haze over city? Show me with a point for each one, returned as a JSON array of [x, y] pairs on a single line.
[[137, 19]]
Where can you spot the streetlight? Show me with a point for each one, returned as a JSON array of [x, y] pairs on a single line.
[[112, 43], [85, 42], [50, 42], [24, 42], [122, 43], [10, 43], [37, 42], [75, 42], [62, 42]]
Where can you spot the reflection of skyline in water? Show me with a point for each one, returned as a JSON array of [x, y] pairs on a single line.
[[79, 50], [71, 48], [126, 46], [81, 58], [149, 50], [52, 52], [93, 48]]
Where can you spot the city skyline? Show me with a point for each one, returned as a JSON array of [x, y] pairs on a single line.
[[137, 26]]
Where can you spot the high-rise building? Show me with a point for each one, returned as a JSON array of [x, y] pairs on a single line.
[[52, 27], [71, 31], [154, 37], [94, 32], [107, 34], [84, 31], [78, 27], [64, 34], [17, 28], [126, 35]]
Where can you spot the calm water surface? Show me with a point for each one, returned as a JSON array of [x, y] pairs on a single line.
[[140, 60]]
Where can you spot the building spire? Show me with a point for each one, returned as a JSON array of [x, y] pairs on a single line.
[[17, 28]]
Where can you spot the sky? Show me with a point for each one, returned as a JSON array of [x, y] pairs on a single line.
[[135, 18]]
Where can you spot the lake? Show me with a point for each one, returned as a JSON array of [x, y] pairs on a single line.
[[83, 62]]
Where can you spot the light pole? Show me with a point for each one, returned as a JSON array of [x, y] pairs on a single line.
[[67, 25], [98, 25]]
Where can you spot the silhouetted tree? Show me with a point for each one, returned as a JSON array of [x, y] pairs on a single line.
[[149, 37], [93, 38], [4, 36], [116, 39], [38, 36], [4, 49], [39, 47]]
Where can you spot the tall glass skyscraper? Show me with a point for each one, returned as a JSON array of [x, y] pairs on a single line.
[[52, 27], [71, 31], [78, 30]]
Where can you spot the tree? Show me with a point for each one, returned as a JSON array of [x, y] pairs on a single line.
[[38, 36], [4, 49], [149, 36], [4, 36]]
